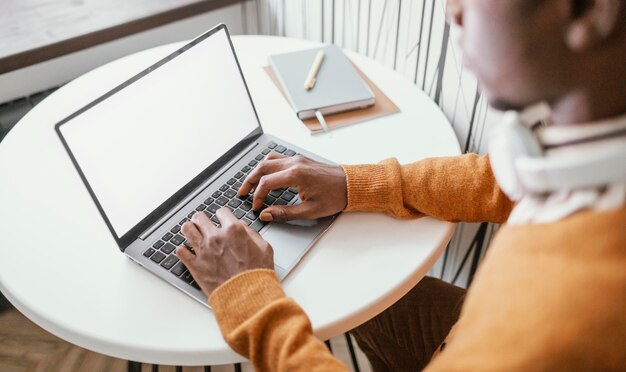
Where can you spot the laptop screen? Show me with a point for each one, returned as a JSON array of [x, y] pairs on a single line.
[[141, 145]]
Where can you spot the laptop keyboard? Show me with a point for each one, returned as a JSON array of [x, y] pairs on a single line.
[[162, 251]]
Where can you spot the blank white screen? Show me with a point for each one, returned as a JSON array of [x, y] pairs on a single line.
[[144, 143]]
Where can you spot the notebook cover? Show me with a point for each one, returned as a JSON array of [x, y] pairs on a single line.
[[382, 106], [338, 84]]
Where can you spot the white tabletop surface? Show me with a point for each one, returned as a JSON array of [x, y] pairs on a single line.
[[61, 267]]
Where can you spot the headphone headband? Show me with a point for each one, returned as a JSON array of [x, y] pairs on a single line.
[[586, 166], [539, 160]]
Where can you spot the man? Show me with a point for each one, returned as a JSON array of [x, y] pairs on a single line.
[[551, 293]]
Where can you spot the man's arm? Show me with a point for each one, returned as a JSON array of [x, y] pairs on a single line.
[[234, 267], [459, 188], [261, 323]]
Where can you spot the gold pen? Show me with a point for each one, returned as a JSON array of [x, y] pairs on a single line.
[[309, 83]]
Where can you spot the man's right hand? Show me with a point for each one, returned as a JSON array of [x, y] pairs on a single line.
[[321, 187]]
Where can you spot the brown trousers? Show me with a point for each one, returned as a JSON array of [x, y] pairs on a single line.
[[405, 336]]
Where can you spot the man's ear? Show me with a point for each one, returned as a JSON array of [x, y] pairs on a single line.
[[592, 22]]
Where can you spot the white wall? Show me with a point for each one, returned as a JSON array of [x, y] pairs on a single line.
[[57, 71], [410, 36]]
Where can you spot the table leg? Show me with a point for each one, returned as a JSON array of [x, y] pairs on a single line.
[[134, 366]]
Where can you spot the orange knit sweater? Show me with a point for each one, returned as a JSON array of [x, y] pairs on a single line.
[[547, 297]]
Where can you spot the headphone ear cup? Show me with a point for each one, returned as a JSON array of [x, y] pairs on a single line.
[[510, 142]]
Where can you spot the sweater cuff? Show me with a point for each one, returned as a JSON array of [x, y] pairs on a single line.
[[242, 296], [368, 187]]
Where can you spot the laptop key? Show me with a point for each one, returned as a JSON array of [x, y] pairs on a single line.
[[178, 269], [280, 202], [221, 201], [272, 145], [234, 203], [230, 193], [157, 257], [259, 157], [208, 201], [168, 248], [290, 152], [213, 208], [269, 200], [231, 181], [223, 188], [177, 240], [149, 252], [246, 206], [167, 236], [276, 193], [239, 213], [252, 163], [195, 285], [175, 229], [247, 221], [238, 175], [266, 151], [280, 149], [191, 214], [252, 215], [201, 207], [216, 194], [246, 169], [292, 190], [236, 186], [287, 196], [170, 261], [257, 225], [216, 221], [182, 222], [187, 277], [158, 244]]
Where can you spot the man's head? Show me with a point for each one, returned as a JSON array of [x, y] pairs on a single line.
[[525, 51]]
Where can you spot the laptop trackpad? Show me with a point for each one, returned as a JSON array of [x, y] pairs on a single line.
[[291, 240]]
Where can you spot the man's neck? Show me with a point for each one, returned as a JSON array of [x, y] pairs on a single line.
[[587, 105]]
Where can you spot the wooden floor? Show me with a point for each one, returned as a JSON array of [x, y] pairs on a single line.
[[24, 346]]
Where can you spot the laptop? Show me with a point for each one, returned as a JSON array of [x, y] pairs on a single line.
[[178, 138]]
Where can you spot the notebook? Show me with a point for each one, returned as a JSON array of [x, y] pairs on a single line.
[[339, 87], [176, 140]]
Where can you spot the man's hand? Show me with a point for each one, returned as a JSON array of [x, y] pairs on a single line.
[[322, 187], [222, 252]]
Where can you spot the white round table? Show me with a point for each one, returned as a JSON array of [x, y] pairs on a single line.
[[61, 267]]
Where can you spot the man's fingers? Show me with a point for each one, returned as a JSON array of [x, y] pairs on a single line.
[[271, 164], [274, 155], [286, 213], [192, 234], [204, 224], [185, 255], [270, 182], [225, 216]]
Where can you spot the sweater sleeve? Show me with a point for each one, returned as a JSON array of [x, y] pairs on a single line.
[[459, 188], [259, 322]]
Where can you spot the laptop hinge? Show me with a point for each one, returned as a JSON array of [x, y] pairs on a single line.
[[192, 195]]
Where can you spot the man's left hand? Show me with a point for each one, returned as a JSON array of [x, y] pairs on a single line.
[[222, 252]]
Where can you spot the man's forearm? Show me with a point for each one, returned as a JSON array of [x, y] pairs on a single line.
[[460, 188], [259, 322]]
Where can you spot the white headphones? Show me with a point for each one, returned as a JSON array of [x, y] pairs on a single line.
[[527, 158]]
